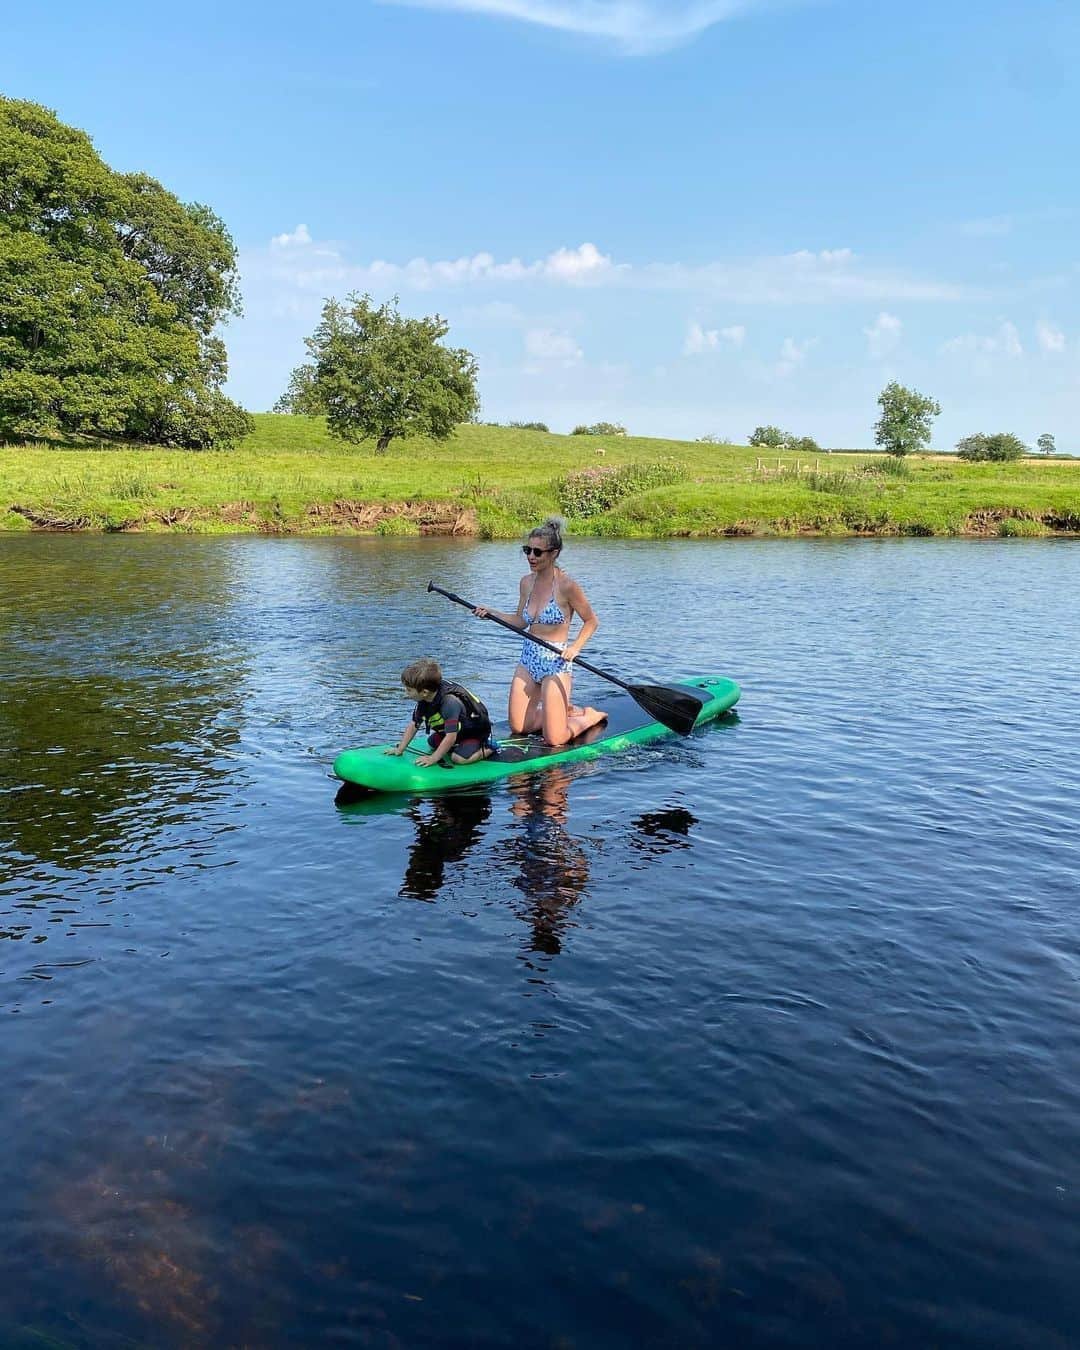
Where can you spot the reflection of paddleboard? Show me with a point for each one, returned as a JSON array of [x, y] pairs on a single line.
[[626, 725]]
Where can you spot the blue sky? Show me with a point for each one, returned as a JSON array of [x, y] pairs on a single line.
[[689, 216]]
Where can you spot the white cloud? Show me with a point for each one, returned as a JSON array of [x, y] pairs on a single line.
[[544, 344], [1051, 339], [883, 334], [793, 354], [700, 339], [300, 236], [1005, 342], [296, 260], [636, 26]]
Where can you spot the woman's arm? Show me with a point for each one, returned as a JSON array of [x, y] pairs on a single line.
[[517, 618], [579, 603]]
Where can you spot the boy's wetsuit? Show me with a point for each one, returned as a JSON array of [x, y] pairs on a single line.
[[454, 708]]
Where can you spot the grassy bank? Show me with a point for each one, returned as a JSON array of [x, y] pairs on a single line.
[[291, 478]]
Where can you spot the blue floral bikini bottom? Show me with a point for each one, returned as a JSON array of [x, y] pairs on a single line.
[[540, 663]]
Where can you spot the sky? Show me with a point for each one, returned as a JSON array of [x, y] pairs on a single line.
[[688, 216]]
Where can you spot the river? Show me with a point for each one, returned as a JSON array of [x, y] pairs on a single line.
[[768, 1037]]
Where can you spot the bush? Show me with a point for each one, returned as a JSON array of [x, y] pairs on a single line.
[[529, 426], [804, 445], [770, 438], [590, 492], [600, 429], [889, 465], [1001, 446]]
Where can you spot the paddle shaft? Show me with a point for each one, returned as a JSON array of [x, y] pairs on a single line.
[[540, 642]]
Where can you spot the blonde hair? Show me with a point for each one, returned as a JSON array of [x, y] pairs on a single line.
[[422, 674], [551, 531]]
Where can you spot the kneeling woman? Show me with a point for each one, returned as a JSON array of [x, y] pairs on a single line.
[[548, 599]]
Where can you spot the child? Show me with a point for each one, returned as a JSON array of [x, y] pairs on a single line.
[[458, 725]]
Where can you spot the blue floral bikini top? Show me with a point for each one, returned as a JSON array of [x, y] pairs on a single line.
[[550, 614]]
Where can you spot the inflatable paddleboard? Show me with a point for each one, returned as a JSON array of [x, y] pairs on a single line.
[[627, 724]]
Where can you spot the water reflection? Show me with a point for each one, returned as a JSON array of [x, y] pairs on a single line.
[[446, 829], [120, 699], [658, 832], [549, 866]]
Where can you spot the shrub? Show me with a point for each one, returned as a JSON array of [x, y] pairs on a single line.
[[889, 465], [589, 492], [804, 445], [529, 426], [1003, 445], [600, 429], [770, 438]]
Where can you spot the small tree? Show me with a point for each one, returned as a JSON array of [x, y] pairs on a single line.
[[377, 375], [769, 438], [1046, 444], [904, 424]]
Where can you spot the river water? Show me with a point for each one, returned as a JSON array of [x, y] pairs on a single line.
[[764, 1038]]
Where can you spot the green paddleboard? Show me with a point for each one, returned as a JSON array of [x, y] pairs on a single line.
[[627, 725]]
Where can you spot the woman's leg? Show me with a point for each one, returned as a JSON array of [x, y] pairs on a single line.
[[562, 719], [524, 703]]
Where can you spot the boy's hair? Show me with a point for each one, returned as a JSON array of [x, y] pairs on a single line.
[[422, 674]]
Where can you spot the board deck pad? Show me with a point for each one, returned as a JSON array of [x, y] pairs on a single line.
[[627, 724]]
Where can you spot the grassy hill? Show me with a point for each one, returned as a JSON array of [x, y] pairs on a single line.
[[290, 477]]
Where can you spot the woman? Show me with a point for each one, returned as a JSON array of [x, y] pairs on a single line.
[[548, 599]]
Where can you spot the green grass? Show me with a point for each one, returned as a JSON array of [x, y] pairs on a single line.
[[291, 477]]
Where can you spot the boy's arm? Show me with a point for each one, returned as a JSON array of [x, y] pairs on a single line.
[[406, 738], [444, 747]]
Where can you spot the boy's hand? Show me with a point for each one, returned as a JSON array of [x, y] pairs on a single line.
[[394, 750], [426, 761]]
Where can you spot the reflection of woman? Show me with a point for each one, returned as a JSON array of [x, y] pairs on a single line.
[[553, 868], [445, 836], [548, 599]]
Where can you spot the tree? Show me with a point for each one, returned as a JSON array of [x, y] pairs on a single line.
[[770, 438], [600, 429], [375, 374], [904, 424], [1046, 444], [1001, 446], [973, 447], [110, 292], [528, 426], [804, 445]]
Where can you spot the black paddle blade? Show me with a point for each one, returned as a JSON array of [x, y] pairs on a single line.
[[678, 709]]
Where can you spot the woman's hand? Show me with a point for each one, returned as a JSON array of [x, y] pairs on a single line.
[[481, 612], [394, 750], [426, 761]]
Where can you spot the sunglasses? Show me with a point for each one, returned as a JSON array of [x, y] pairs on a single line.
[[535, 552]]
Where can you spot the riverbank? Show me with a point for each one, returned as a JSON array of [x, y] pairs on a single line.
[[493, 482]]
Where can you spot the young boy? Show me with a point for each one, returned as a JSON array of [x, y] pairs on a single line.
[[458, 724]]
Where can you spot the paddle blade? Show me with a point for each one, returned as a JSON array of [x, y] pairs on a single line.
[[677, 708]]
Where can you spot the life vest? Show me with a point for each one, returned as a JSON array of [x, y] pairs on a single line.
[[475, 720]]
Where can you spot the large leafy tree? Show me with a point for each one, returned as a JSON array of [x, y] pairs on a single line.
[[376, 374], [111, 290], [906, 419]]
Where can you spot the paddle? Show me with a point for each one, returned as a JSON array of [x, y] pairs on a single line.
[[673, 705]]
